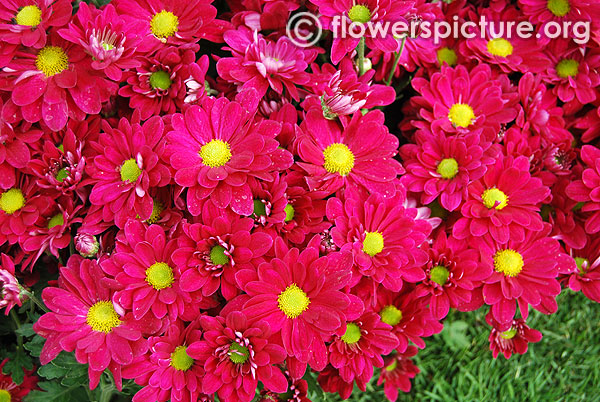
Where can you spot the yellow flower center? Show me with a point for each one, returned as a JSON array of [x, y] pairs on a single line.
[[107, 46], [373, 243], [391, 315], [500, 47], [157, 208], [159, 275], [102, 317], [392, 366], [448, 56], [215, 153], [439, 274], [180, 360], [293, 301], [238, 354], [56, 220], [160, 80], [30, 16], [217, 255], [62, 174], [51, 60], [164, 24], [508, 262], [359, 13], [494, 197], [580, 261], [130, 171], [352, 334], [509, 334], [448, 168], [560, 8], [461, 115], [12, 200], [289, 212], [4, 396], [567, 68], [338, 159]]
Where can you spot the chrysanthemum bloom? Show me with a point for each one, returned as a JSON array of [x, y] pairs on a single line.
[[106, 37], [145, 277], [564, 215], [524, 271], [16, 151], [330, 381], [83, 318], [587, 189], [504, 202], [397, 373], [510, 339], [169, 22], [260, 63], [440, 167], [382, 235], [86, 244], [11, 392], [10, 294], [543, 11], [297, 392], [168, 372], [573, 71], [270, 201], [383, 12], [128, 163], [361, 347], [334, 157], [452, 272], [197, 86], [214, 148], [298, 293], [158, 85], [480, 104], [590, 123], [237, 355], [54, 84], [586, 278], [408, 315]]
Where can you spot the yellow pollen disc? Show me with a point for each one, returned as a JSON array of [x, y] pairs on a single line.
[[392, 366], [439, 274], [448, 56], [160, 80], [12, 200], [359, 13], [508, 262], [461, 115], [157, 208], [164, 24], [30, 16], [560, 8], [500, 47], [338, 159], [373, 243], [494, 197], [509, 334], [391, 315], [56, 220], [293, 301], [238, 354], [107, 46], [215, 153], [180, 360], [102, 317], [289, 212], [159, 275], [448, 168], [52, 60], [567, 68], [130, 171], [5, 396], [352, 334]]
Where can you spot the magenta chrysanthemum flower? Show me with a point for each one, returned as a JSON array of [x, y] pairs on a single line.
[[15, 152], [298, 294], [237, 355], [504, 202], [587, 189], [586, 278], [524, 271], [330, 381], [83, 318], [261, 64], [510, 339], [334, 157], [10, 293], [383, 236], [17, 392], [543, 11], [210, 254], [106, 37], [215, 147], [440, 167], [398, 371], [128, 164]]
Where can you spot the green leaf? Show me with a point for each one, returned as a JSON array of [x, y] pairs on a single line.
[[18, 361], [53, 391], [26, 330], [35, 345]]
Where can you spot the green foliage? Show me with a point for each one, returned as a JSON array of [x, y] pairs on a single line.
[[18, 360]]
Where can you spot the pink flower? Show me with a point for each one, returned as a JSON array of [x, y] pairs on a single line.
[[586, 277], [399, 369], [10, 288], [587, 189], [17, 391], [510, 339]]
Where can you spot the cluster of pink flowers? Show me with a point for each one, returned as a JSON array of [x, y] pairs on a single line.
[[225, 207]]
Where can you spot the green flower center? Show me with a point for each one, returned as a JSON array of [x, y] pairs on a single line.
[[12, 200], [160, 80], [508, 334], [62, 174], [51, 60], [373, 243], [30, 16], [238, 354], [160, 275], [56, 220], [439, 274], [164, 24], [493, 197], [180, 360], [157, 208], [293, 301], [500, 47], [448, 56], [352, 334], [218, 256], [580, 261], [130, 171], [359, 13], [102, 317], [508, 262], [461, 115], [4, 396], [289, 212], [448, 168], [259, 208], [392, 366], [215, 153], [338, 159], [391, 315], [567, 68], [560, 8]]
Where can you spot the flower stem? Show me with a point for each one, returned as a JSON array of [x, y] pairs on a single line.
[[37, 301], [15, 318], [395, 63], [360, 49]]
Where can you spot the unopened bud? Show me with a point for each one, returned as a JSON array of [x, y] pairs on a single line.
[[86, 244]]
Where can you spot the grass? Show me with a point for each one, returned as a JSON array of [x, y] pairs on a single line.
[[457, 364]]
